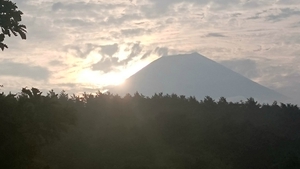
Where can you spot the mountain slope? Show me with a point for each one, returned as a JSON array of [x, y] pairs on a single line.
[[194, 75]]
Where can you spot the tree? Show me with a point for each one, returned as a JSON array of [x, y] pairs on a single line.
[[10, 18], [28, 122]]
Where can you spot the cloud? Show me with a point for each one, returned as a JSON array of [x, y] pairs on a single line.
[[283, 14], [162, 6], [23, 70], [74, 22], [55, 63], [245, 67], [251, 4], [106, 64], [161, 51], [276, 14], [158, 51], [83, 6], [136, 51], [130, 32], [109, 62], [236, 14], [296, 25], [109, 50], [113, 20], [214, 35], [82, 51], [159, 9], [57, 6], [288, 2]]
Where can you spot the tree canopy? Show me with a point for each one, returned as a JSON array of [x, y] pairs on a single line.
[[10, 18], [162, 131], [171, 131], [28, 122]]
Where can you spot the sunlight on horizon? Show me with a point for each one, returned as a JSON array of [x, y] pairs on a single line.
[[113, 78]]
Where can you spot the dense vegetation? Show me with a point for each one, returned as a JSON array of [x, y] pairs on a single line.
[[28, 122], [164, 131]]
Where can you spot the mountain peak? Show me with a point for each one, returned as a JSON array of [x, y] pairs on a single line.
[[194, 75], [194, 55]]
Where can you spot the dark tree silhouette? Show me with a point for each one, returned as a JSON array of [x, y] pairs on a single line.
[[30, 121], [162, 131], [10, 18], [173, 131]]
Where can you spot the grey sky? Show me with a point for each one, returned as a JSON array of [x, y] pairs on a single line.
[[91, 43], [12, 69]]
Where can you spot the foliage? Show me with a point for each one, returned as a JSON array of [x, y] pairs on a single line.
[[10, 18], [28, 122], [164, 131], [171, 131]]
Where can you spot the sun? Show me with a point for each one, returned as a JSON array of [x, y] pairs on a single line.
[[113, 78], [96, 78]]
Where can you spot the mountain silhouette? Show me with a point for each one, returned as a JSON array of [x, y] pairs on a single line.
[[194, 75]]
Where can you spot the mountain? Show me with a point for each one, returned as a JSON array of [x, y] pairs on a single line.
[[194, 75]]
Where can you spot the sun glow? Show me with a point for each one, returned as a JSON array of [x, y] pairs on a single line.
[[94, 78], [114, 78]]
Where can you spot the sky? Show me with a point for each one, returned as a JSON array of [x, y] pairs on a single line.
[[87, 45]]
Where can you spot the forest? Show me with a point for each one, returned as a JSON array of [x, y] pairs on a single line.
[[103, 130]]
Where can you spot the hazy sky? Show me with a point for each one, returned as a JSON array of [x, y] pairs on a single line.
[[86, 45]]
